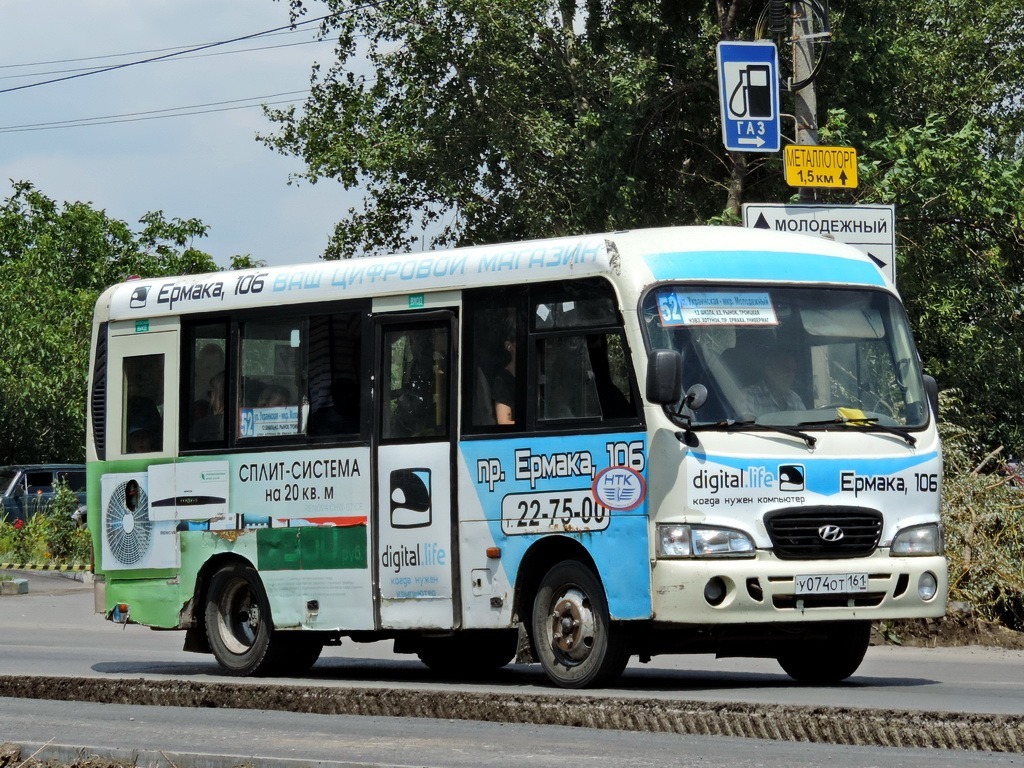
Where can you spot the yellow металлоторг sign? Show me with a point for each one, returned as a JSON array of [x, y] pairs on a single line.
[[812, 165]]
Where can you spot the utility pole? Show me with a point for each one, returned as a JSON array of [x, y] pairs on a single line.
[[805, 106]]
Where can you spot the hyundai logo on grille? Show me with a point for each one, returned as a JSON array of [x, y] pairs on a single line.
[[830, 533]]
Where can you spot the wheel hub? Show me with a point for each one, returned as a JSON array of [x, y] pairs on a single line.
[[572, 626]]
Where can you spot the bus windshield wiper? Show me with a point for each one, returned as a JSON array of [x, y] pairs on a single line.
[[750, 425], [868, 424]]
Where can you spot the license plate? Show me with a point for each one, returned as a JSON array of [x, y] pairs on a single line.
[[831, 584]]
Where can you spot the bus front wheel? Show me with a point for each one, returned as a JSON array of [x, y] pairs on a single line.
[[828, 659], [572, 631], [238, 621]]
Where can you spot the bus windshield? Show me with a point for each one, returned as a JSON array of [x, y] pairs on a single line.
[[790, 356]]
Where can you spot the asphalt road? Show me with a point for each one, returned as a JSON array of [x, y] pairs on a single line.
[[54, 631]]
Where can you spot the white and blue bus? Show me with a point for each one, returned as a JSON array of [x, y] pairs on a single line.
[[571, 451]]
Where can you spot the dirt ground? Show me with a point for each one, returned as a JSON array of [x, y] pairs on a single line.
[[11, 757], [960, 626]]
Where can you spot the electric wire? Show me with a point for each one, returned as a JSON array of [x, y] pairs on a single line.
[[125, 53], [821, 38], [183, 58], [174, 54], [156, 114]]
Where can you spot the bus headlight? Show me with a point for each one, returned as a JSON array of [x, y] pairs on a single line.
[[676, 540], [918, 541]]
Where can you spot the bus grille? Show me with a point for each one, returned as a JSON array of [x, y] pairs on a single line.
[[812, 533]]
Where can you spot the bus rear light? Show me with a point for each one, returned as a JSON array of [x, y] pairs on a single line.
[[119, 613]]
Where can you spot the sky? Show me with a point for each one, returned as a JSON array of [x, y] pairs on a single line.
[[204, 166]]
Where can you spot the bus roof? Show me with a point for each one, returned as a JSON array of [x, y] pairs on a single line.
[[639, 256]]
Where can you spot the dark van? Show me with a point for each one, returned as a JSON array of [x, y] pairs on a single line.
[[29, 488]]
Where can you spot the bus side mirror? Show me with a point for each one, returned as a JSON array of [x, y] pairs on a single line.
[[931, 388], [664, 376]]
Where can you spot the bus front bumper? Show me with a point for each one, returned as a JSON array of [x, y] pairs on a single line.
[[766, 589]]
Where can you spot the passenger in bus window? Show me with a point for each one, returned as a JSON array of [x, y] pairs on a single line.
[[144, 424], [141, 440], [342, 416], [209, 362], [211, 427], [503, 390], [614, 403], [273, 396]]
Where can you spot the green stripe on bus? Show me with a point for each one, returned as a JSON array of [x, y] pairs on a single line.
[[311, 548]]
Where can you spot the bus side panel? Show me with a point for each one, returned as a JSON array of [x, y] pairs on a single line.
[[516, 490], [299, 518]]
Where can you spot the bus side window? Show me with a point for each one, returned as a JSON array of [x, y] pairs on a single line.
[[494, 364], [334, 392], [272, 375], [207, 380], [142, 411], [581, 359], [583, 377], [416, 383]]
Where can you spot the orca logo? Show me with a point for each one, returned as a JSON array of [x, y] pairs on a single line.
[[830, 533], [791, 477], [410, 498], [138, 300]]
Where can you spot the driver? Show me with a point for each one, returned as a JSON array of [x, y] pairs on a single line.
[[774, 389]]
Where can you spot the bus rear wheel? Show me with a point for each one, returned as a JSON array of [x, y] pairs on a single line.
[[238, 622], [828, 657], [572, 631]]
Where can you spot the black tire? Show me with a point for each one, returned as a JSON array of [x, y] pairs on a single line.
[[830, 657], [238, 623], [468, 654], [572, 632], [295, 652]]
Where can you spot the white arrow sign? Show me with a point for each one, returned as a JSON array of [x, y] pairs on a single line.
[[870, 229]]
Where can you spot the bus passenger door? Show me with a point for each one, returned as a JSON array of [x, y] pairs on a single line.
[[413, 436]]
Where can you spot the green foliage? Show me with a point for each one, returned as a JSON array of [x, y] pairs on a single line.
[[481, 121], [23, 542], [66, 540], [490, 120], [960, 259], [894, 63], [54, 262], [983, 516], [51, 535]]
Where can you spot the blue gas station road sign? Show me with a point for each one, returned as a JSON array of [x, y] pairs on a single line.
[[748, 87]]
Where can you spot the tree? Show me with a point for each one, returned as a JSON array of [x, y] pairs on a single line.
[[960, 263], [54, 262], [488, 120]]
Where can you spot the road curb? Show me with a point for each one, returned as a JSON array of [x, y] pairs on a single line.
[[14, 587], [828, 725]]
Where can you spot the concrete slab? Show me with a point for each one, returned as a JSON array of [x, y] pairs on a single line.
[[14, 587]]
